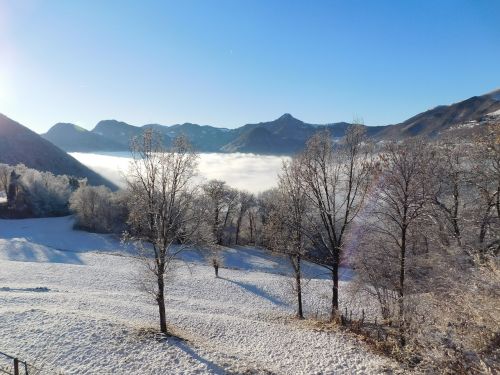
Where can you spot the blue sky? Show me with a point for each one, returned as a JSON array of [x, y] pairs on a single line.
[[230, 62]]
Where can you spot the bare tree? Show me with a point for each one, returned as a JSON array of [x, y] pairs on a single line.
[[97, 209], [260, 212], [231, 200], [85, 203], [336, 182], [287, 224], [449, 180], [162, 214], [222, 201], [246, 200], [252, 214], [485, 176], [398, 207]]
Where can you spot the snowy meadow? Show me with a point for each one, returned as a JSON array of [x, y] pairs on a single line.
[[70, 302]]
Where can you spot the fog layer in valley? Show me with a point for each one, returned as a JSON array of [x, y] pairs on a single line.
[[254, 173]]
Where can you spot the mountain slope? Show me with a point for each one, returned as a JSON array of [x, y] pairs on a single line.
[[70, 137], [19, 144], [284, 135], [117, 131], [204, 138], [430, 123]]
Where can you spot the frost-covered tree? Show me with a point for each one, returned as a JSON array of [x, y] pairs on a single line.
[[163, 213], [336, 180], [98, 209], [5, 171], [449, 188], [395, 241], [222, 201], [245, 202], [485, 177], [45, 193], [287, 225]]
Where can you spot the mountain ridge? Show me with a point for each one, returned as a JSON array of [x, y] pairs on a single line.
[[284, 135], [70, 137]]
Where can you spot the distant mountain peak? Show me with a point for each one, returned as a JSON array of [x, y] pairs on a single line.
[[286, 116], [66, 125]]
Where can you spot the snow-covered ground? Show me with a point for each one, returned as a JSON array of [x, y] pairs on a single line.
[[70, 300]]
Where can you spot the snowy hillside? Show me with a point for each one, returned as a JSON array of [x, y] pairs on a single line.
[[70, 301]]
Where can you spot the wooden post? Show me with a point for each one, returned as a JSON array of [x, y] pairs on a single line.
[[16, 366]]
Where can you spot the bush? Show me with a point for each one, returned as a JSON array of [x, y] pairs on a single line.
[[98, 209]]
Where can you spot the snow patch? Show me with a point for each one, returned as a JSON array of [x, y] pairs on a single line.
[[495, 113], [58, 234], [21, 250]]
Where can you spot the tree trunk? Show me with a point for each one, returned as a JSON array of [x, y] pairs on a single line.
[[216, 227], [161, 304], [224, 225], [401, 314], [335, 286], [238, 228], [251, 231], [298, 284], [216, 268], [454, 219]]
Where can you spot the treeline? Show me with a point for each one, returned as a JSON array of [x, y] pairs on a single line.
[[31, 193]]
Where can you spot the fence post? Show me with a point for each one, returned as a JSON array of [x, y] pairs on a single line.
[[16, 366]]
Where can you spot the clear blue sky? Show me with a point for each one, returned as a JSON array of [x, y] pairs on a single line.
[[227, 63]]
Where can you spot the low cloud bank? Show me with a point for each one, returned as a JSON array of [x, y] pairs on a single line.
[[254, 173]]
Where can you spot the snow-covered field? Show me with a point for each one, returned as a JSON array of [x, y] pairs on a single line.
[[69, 300]]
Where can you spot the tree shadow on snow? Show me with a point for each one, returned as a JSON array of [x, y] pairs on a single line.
[[257, 291], [214, 368]]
